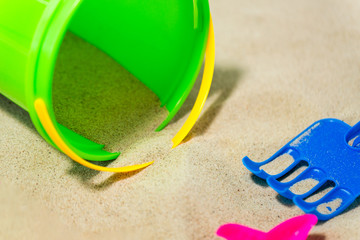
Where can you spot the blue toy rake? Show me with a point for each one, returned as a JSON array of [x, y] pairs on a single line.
[[330, 158]]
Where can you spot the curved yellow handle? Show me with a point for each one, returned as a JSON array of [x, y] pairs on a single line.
[[49, 127], [204, 88]]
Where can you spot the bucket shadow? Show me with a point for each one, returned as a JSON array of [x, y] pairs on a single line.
[[85, 175], [224, 82]]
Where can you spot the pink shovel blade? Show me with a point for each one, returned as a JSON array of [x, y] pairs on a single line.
[[296, 228], [234, 231]]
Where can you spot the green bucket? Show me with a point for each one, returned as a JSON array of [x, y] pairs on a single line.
[[162, 43]]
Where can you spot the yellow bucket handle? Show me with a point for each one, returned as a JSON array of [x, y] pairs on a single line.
[[204, 89], [50, 129]]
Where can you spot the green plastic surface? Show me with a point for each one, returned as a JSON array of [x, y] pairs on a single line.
[[162, 43]]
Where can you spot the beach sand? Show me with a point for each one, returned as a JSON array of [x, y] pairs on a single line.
[[280, 66]]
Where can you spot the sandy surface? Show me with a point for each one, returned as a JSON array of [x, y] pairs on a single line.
[[280, 66], [278, 164]]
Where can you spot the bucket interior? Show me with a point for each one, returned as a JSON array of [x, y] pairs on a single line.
[[154, 40], [99, 99], [160, 43]]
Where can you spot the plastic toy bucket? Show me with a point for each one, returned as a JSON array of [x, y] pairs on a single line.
[[162, 43]]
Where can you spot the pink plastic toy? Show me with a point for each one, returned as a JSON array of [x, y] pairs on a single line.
[[296, 228]]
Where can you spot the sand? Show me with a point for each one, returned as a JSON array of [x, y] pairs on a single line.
[[303, 186], [278, 165], [280, 66], [293, 173], [326, 188], [329, 207]]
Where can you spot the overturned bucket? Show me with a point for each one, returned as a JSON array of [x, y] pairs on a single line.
[[162, 43]]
